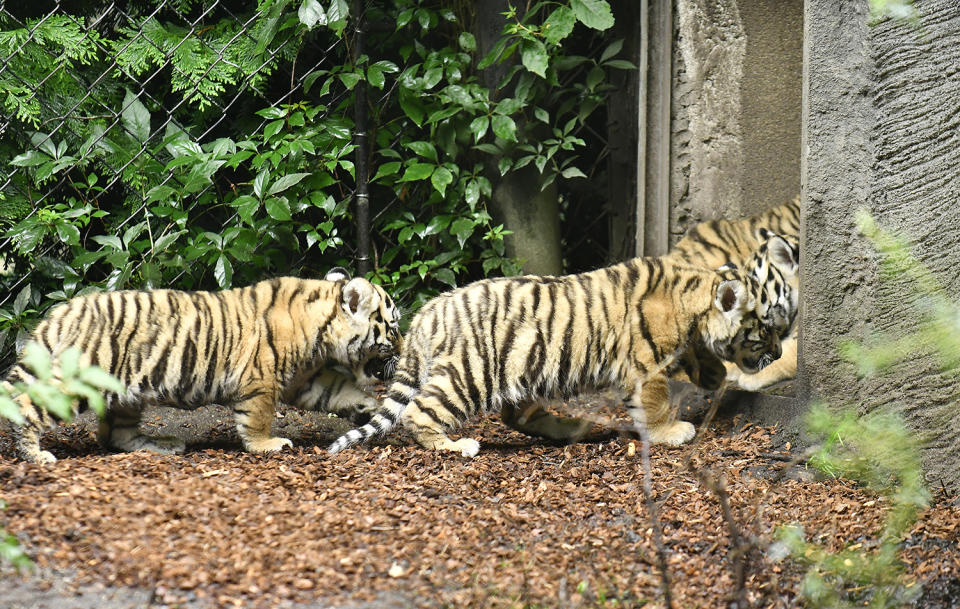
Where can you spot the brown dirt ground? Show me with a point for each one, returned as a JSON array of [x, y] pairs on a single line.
[[524, 524]]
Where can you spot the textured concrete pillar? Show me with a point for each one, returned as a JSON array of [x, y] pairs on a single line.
[[882, 132]]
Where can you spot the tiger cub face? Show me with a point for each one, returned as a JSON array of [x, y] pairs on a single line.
[[735, 329], [369, 338], [775, 265]]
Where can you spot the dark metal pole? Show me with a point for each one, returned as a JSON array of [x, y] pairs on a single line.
[[361, 194]]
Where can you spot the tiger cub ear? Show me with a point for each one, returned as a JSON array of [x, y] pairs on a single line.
[[783, 255], [337, 273], [732, 298], [359, 297]]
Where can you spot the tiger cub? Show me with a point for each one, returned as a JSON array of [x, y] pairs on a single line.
[[501, 343], [774, 266], [248, 347], [718, 242]]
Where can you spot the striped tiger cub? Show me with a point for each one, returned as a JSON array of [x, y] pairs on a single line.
[[739, 242], [506, 343], [249, 347]]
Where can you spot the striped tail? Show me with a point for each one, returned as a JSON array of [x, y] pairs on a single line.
[[380, 424]]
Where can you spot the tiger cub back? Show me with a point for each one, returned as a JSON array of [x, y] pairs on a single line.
[[500, 343], [247, 347]]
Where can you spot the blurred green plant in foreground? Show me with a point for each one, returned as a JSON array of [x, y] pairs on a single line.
[[876, 449], [59, 384]]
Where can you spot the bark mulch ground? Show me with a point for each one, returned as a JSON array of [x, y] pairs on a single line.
[[524, 524]]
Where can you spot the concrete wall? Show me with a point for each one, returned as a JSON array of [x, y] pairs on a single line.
[[736, 107], [882, 131]]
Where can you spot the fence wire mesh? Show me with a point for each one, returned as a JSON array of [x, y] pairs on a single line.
[[199, 144]]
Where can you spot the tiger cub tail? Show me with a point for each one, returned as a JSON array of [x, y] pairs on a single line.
[[403, 387]]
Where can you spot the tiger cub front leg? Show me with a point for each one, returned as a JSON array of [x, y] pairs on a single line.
[[649, 406], [334, 392], [533, 420], [254, 415]]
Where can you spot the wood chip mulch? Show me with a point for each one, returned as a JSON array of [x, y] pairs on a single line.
[[523, 524]]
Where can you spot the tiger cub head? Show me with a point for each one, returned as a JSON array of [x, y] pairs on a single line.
[[734, 329], [369, 335], [775, 266]]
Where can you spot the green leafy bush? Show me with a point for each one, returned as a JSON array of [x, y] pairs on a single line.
[[202, 148], [60, 383], [877, 449]]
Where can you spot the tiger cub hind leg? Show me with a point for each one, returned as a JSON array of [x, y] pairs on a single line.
[[119, 429], [427, 419], [534, 420]]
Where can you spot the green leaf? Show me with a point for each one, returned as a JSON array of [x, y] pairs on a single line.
[[412, 107], [612, 49], [504, 127], [30, 158], [350, 79], [387, 169], [533, 54], [136, 117], [246, 207], [573, 172], [285, 182], [278, 208], [440, 179], [595, 77], [338, 11], [223, 272], [100, 378], [504, 165], [478, 127], [542, 115], [111, 241], [375, 77], [446, 276], [259, 183], [472, 193], [424, 149], [462, 228], [68, 233], [37, 359], [417, 171], [558, 25], [620, 64], [311, 14], [467, 42], [168, 239], [10, 410], [52, 267], [594, 14]]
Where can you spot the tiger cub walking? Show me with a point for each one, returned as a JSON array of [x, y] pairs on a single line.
[[502, 343], [249, 347]]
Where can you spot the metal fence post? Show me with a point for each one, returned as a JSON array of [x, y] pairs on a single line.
[[361, 194]]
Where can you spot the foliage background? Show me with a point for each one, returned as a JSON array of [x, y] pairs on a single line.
[[201, 145]]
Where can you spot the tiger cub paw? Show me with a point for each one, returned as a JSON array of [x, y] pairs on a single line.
[[468, 447], [673, 434], [269, 445], [42, 457]]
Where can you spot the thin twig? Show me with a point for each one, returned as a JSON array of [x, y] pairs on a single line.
[[641, 428]]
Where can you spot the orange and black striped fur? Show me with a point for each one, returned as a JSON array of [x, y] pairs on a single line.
[[739, 242], [506, 343], [249, 347]]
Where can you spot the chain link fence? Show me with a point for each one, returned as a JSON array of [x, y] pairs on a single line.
[[202, 144], [109, 114]]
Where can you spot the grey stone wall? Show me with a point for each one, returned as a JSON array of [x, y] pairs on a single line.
[[882, 131], [736, 107]]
